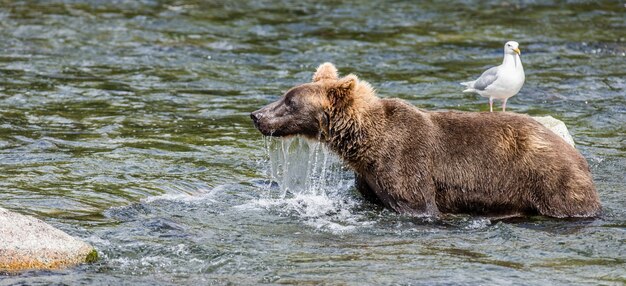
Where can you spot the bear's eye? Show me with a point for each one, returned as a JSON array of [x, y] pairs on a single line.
[[290, 103]]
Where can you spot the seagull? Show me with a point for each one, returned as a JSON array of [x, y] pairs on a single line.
[[503, 81]]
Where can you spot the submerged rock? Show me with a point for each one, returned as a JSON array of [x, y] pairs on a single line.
[[557, 126], [29, 243]]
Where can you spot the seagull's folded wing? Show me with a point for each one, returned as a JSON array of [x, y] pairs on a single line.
[[486, 79]]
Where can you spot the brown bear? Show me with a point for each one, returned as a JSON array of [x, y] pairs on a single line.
[[421, 162]]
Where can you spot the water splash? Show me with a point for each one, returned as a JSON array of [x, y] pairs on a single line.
[[299, 166], [308, 181]]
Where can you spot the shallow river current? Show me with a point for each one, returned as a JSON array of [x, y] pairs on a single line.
[[126, 123]]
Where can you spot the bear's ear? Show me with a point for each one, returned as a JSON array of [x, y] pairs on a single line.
[[347, 83], [344, 87], [325, 71]]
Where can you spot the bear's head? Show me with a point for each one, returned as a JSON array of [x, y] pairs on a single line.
[[307, 109]]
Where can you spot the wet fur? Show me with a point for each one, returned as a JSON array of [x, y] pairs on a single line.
[[426, 163]]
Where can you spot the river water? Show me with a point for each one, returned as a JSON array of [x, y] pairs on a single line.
[[125, 123]]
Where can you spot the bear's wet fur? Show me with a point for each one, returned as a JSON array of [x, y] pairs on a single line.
[[425, 163]]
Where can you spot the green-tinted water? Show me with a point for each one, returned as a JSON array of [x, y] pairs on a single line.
[[126, 123]]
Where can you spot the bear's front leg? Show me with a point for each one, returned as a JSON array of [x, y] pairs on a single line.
[[415, 197], [365, 190], [402, 193]]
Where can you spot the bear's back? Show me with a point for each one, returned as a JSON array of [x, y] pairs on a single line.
[[503, 158]]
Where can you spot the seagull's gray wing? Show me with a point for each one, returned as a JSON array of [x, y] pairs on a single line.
[[486, 79]]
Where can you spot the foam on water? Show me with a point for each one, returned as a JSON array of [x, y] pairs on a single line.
[[184, 197]]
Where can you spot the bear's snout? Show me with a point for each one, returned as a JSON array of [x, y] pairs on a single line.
[[255, 117], [258, 118]]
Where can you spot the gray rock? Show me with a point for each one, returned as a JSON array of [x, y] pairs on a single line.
[[29, 243], [557, 126]]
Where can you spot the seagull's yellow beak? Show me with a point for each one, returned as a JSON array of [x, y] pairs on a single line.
[[517, 51]]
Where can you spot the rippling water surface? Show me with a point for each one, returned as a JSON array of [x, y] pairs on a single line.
[[126, 123]]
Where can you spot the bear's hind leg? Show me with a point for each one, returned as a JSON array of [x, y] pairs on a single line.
[[573, 195]]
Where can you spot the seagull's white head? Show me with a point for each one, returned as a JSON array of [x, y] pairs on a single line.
[[512, 47]]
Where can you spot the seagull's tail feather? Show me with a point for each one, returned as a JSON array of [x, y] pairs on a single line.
[[470, 86], [468, 83]]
